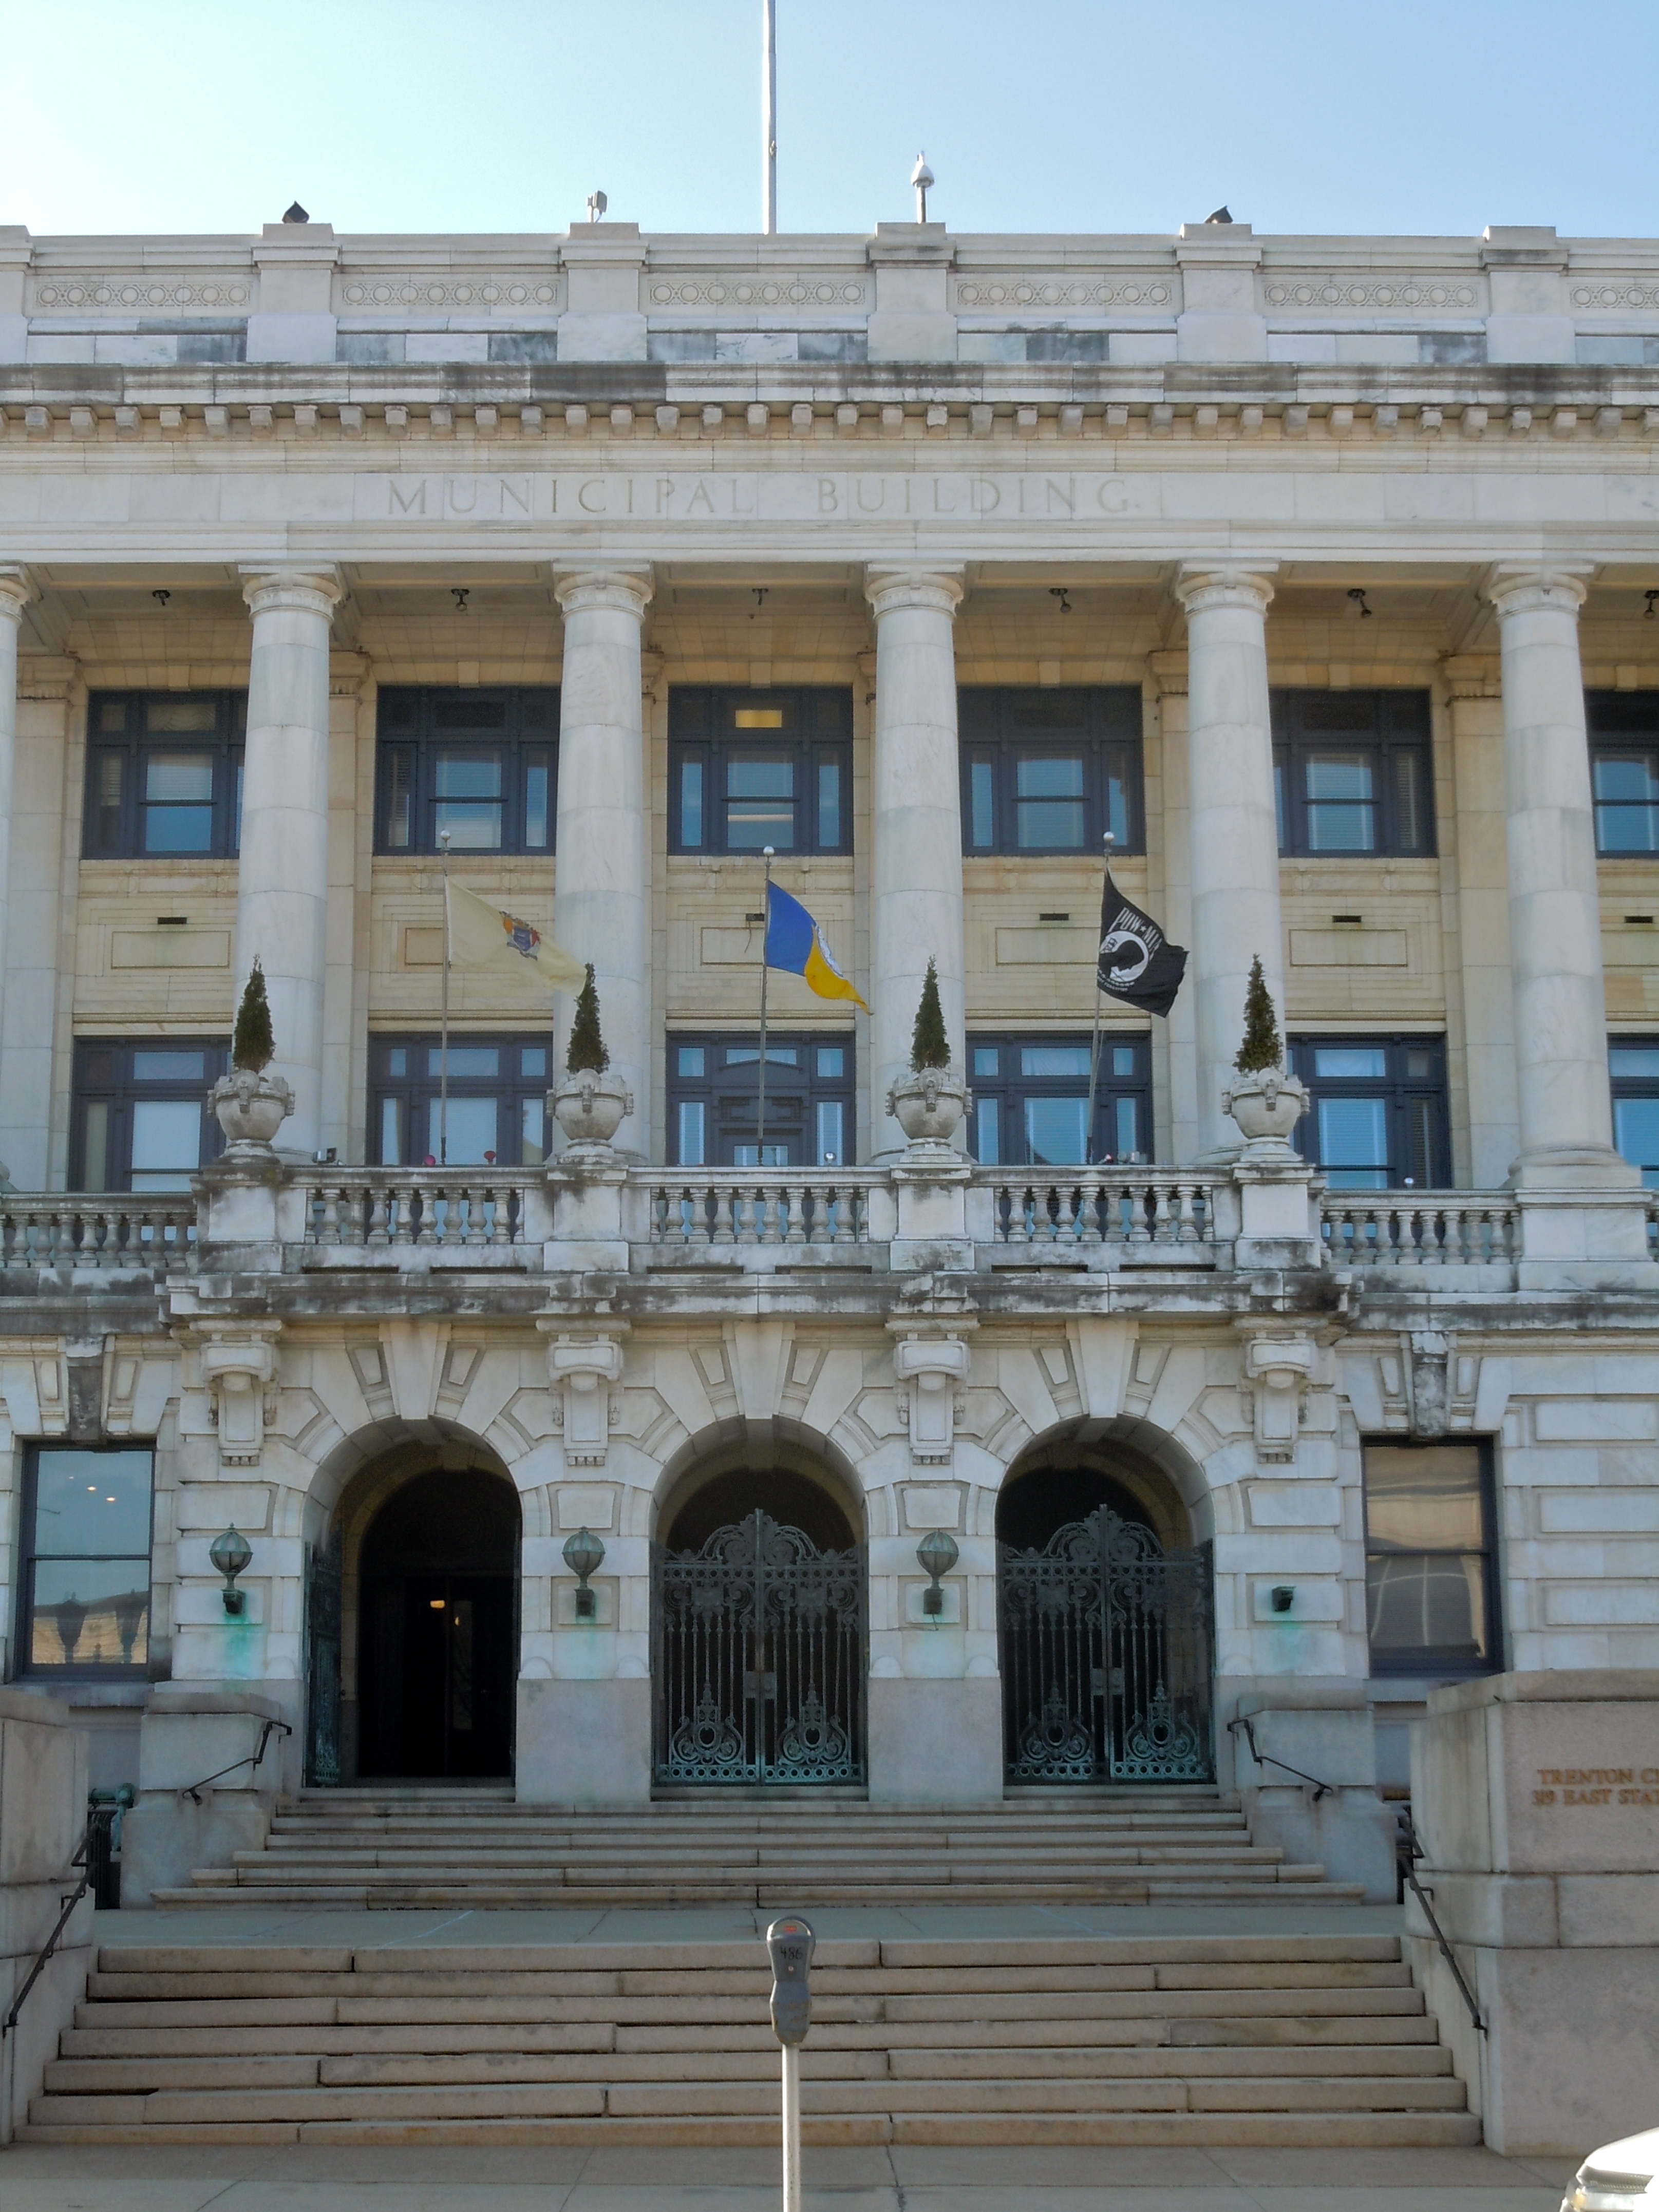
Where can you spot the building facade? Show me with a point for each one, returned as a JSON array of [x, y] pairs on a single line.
[[1321, 573]]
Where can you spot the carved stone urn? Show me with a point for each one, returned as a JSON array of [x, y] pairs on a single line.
[[1266, 1104], [590, 1106], [250, 1107], [928, 1103]]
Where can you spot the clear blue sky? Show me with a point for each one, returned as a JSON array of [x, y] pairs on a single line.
[[415, 115]]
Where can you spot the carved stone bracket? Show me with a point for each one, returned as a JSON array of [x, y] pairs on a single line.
[[238, 1373], [585, 1372], [1278, 1369], [1429, 1389], [931, 1372]]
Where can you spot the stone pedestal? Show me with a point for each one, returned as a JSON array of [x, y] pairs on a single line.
[[1536, 1798], [583, 1744], [935, 1741], [43, 1814], [191, 1731], [281, 898], [589, 1199], [1325, 1731], [1278, 1208], [930, 1191]]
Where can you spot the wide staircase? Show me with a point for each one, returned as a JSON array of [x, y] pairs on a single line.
[[383, 1847], [1317, 2040]]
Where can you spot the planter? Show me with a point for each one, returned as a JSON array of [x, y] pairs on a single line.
[[590, 1107], [250, 1107], [1266, 1104], [929, 1104]]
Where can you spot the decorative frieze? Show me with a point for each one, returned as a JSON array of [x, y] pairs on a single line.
[[142, 292], [816, 288], [1008, 289], [426, 291], [1389, 294]]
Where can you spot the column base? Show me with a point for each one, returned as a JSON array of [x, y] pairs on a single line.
[[1573, 1167], [1584, 1221]]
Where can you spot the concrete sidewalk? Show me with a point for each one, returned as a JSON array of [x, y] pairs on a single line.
[[318, 2178]]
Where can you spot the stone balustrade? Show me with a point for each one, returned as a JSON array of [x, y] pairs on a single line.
[[1396, 1233], [108, 1232], [1108, 1217], [696, 1213], [404, 1218]]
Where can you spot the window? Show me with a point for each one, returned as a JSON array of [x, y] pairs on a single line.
[[480, 763], [141, 1120], [1377, 1121], [1352, 770], [1431, 1585], [85, 1564], [714, 1093], [752, 769], [1050, 771], [164, 775], [495, 1115], [1032, 1100], [1633, 1065], [1624, 743]]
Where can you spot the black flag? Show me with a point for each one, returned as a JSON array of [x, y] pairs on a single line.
[[1138, 963]]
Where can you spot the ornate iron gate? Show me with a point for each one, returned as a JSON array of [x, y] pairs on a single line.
[[323, 1667], [759, 1659], [1106, 1656]]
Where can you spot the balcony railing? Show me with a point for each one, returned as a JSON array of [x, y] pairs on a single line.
[[418, 1217], [1402, 1232], [701, 1214], [103, 1232], [1112, 1215]]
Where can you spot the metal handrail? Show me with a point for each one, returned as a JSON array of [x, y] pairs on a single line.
[[83, 1860], [193, 1790], [1266, 1758], [1407, 1851]]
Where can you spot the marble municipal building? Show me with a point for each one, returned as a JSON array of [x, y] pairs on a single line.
[[1322, 573]]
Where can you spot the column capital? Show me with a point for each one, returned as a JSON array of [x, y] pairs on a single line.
[[1201, 585], [939, 590], [619, 591], [312, 590], [16, 590], [1522, 588]]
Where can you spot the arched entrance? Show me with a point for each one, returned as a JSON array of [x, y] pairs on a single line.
[[414, 1624], [758, 1629], [1105, 1611]]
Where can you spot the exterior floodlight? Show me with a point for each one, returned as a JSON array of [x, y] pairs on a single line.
[[922, 178], [938, 1553], [230, 1554], [584, 1555]]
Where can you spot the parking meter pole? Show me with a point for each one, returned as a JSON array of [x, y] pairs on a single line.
[[790, 1945]]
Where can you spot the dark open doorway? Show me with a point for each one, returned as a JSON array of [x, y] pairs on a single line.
[[438, 1633]]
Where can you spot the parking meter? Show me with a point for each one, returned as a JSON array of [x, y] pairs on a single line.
[[791, 1944]]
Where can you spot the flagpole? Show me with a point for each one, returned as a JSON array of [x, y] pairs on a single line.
[[443, 1053], [766, 924], [1094, 1047]]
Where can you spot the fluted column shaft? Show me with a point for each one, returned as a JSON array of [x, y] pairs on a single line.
[[1234, 821], [16, 592], [1555, 919], [282, 900], [916, 872], [601, 910]]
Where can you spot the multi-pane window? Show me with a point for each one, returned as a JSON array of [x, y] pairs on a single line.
[[480, 763], [492, 1111], [1431, 1585], [141, 1120], [1351, 772], [1633, 1065], [714, 1100], [1049, 771], [1377, 1119], [164, 775], [1624, 743], [86, 1561], [752, 769], [1032, 1100]]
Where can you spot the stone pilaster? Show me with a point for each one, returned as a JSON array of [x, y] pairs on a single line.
[[1234, 821], [916, 903], [282, 904], [16, 590], [602, 904]]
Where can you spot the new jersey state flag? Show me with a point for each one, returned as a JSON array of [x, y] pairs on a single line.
[[795, 944], [485, 941]]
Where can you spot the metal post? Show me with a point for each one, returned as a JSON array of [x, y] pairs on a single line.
[[791, 1944], [791, 2127], [769, 117], [443, 1026], [766, 927], [1094, 1048]]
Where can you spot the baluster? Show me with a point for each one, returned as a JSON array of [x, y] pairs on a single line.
[[1185, 1195], [1019, 1216], [743, 1215], [451, 1206], [1452, 1222], [421, 1195], [768, 1215], [379, 1217], [795, 1233], [472, 1235], [1089, 1195], [1140, 1224]]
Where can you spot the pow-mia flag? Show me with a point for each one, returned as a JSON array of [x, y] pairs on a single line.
[[1138, 963]]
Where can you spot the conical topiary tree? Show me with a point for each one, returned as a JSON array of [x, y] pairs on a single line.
[[929, 1046], [1261, 1048], [587, 1046], [253, 1046]]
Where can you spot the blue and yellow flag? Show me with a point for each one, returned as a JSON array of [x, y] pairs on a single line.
[[795, 943]]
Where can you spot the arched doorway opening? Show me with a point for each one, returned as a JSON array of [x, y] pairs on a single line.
[[1105, 1620], [414, 1626], [758, 1642]]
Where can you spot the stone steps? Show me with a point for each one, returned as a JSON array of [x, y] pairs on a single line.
[[1287, 2039]]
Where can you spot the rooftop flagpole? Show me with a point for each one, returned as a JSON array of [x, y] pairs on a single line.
[[769, 118], [766, 925], [1094, 1047]]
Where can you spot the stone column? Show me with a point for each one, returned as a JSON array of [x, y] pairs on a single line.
[[1555, 919], [282, 901], [15, 592], [1234, 821], [601, 906], [39, 978], [916, 809], [1474, 696]]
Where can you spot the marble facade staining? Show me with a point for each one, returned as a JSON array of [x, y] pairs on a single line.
[[1217, 469]]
